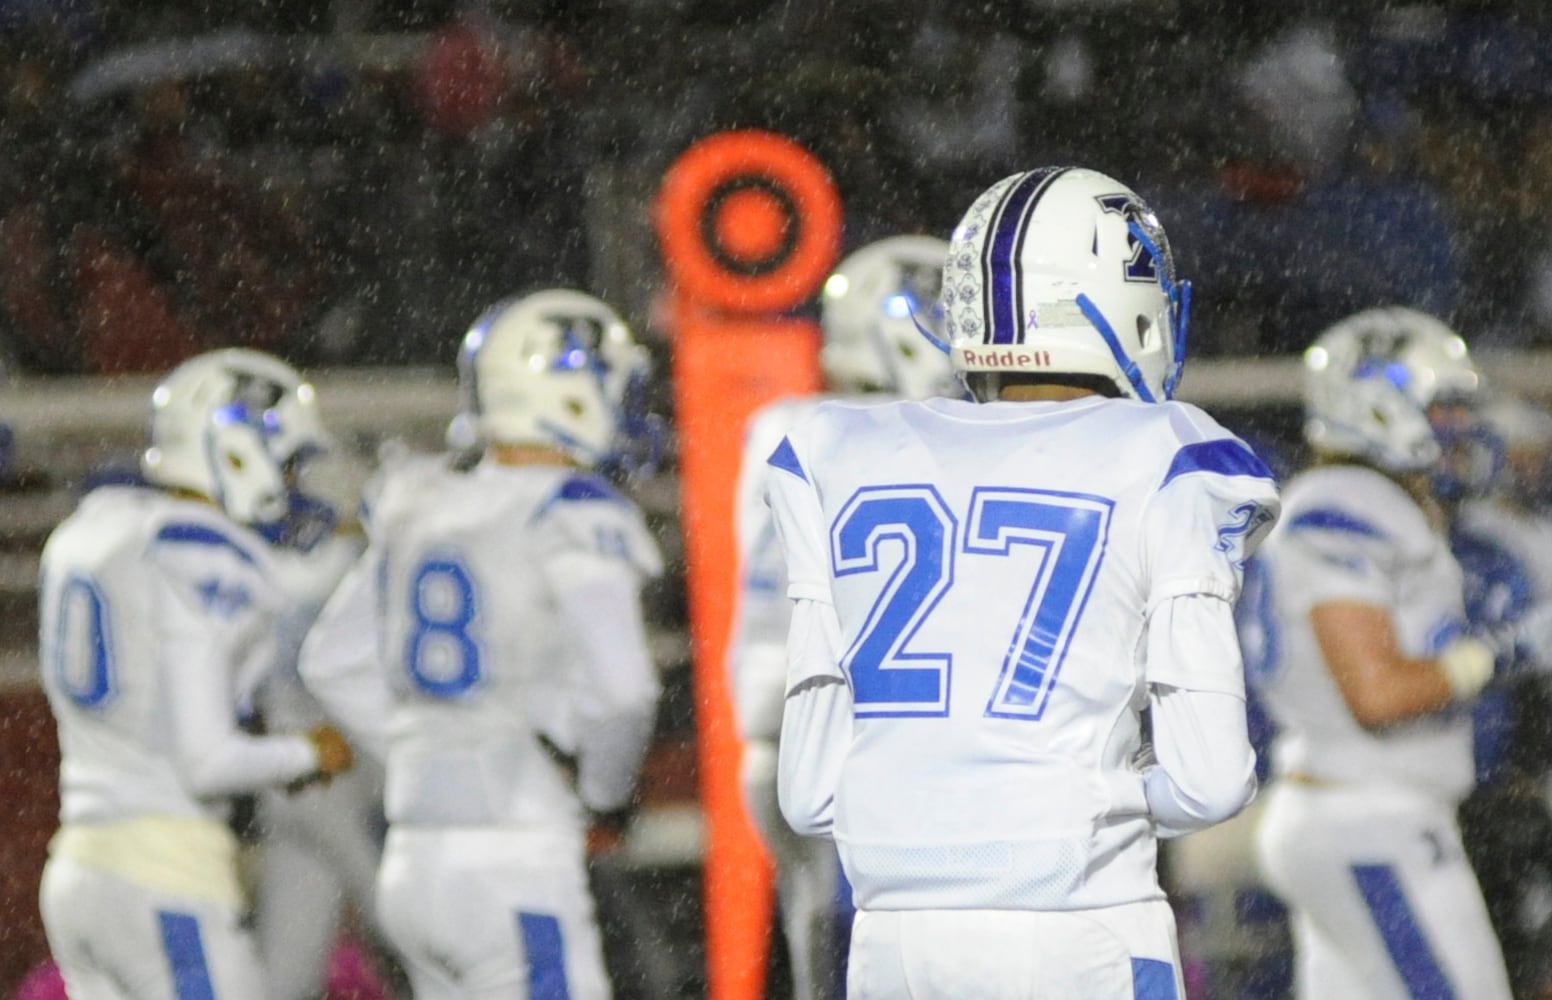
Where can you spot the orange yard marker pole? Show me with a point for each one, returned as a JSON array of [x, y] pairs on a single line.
[[750, 225]]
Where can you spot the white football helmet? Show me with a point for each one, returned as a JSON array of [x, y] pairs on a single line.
[[558, 368], [1065, 272], [226, 424], [876, 308], [1370, 380]]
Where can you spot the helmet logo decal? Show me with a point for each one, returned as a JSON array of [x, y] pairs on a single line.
[[252, 404], [1000, 266], [1140, 265]]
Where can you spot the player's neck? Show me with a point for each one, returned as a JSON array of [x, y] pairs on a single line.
[[1043, 392], [529, 454]]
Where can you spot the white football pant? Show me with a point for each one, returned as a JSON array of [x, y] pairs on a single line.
[[491, 913], [114, 939], [1117, 953], [1384, 903]]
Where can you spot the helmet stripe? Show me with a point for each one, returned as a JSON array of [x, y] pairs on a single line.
[[1000, 268]]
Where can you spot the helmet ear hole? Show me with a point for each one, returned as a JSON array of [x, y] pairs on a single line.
[[1144, 327]]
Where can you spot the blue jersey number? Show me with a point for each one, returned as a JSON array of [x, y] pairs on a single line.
[[1062, 535], [886, 679], [441, 653], [83, 649]]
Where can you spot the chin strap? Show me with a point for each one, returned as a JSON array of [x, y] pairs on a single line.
[[1127, 365], [933, 339]]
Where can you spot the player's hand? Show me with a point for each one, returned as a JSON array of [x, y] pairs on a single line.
[[1467, 664], [334, 753]]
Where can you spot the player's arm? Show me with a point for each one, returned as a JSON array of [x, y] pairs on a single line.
[[617, 690], [201, 644], [1380, 684], [816, 724], [1214, 505], [757, 648], [338, 662], [1205, 770], [615, 696], [1349, 566]]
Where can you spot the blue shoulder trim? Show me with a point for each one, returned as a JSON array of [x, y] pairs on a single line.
[[200, 534], [786, 459], [1223, 456], [587, 488], [1333, 520], [580, 488]]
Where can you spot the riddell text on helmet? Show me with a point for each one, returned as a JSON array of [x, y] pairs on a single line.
[[1007, 357]]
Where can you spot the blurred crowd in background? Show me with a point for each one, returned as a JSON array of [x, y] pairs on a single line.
[[351, 182]]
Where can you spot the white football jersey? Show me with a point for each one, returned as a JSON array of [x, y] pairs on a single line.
[[991, 566], [1349, 533], [156, 618], [497, 669]]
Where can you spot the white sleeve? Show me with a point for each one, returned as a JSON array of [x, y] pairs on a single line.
[[800, 525], [1216, 505], [1212, 509], [816, 725], [339, 665], [1335, 557], [757, 648], [617, 690], [1205, 771], [214, 757]]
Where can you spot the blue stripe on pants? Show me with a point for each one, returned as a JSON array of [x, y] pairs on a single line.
[[1153, 979], [1403, 938], [546, 957], [186, 956]]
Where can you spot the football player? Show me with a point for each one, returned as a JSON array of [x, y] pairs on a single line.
[[508, 685], [1368, 669], [873, 351], [988, 595], [158, 610]]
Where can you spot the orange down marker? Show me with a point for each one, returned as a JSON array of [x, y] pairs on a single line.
[[750, 226]]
